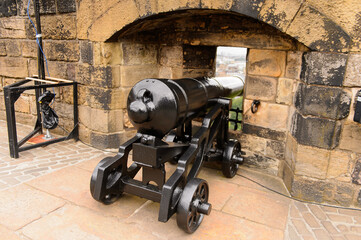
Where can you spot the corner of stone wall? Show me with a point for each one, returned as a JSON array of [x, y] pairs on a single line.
[[323, 151], [271, 78]]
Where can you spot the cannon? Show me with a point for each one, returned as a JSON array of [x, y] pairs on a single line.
[[164, 112]]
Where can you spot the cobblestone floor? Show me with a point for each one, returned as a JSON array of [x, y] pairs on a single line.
[[45, 195], [309, 221]]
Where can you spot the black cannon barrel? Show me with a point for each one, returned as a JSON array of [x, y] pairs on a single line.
[[156, 106]]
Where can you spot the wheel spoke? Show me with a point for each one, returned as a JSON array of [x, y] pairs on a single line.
[[198, 191], [203, 193], [190, 219], [194, 219]]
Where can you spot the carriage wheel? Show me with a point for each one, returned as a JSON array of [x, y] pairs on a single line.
[[231, 159], [193, 205], [112, 181]]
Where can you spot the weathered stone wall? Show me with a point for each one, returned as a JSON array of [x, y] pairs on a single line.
[[323, 146], [304, 65], [175, 46], [271, 77]]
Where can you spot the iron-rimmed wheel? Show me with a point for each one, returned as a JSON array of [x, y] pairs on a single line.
[[112, 180], [231, 159], [193, 204]]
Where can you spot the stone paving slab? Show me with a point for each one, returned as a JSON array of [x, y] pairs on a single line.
[[72, 184], [218, 225], [8, 234], [257, 206], [22, 204], [74, 222], [40, 161], [45, 195]]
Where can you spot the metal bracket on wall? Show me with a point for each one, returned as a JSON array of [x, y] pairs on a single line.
[[254, 107]]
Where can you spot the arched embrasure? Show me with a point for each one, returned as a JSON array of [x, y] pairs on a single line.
[[295, 18]]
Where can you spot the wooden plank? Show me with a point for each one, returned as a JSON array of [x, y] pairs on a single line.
[[55, 79], [41, 80]]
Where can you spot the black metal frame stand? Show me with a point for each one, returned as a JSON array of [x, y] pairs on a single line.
[[12, 93]]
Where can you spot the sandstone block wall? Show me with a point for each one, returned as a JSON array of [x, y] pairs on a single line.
[[321, 154]]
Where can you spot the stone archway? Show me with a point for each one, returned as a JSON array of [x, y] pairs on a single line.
[[98, 21]]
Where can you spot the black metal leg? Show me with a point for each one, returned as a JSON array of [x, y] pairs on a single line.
[[38, 112], [76, 117], [11, 123]]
